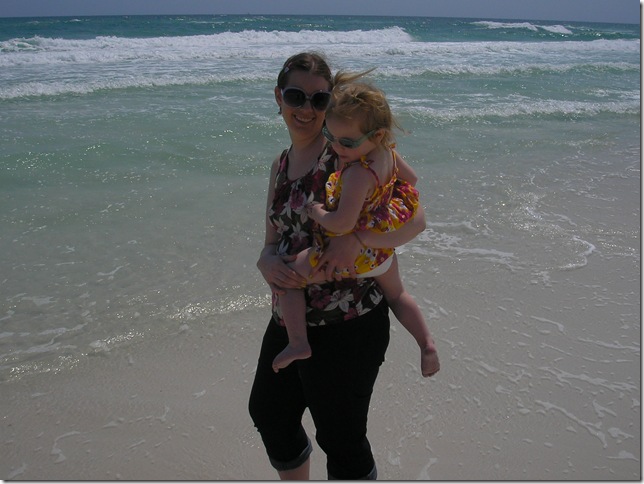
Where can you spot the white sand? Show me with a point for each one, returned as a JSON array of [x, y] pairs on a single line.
[[539, 380]]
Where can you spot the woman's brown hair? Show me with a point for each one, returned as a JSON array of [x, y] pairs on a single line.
[[312, 62]]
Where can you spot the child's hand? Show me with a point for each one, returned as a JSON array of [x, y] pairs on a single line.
[[315, 210]]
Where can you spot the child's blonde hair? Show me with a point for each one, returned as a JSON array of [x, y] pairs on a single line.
[[361, 101]]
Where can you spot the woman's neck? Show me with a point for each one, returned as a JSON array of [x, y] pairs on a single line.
[[305, 152]]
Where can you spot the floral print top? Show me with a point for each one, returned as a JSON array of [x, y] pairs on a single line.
[[328, 303]]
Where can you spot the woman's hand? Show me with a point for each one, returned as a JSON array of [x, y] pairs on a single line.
[[339, 256], [278, 274]]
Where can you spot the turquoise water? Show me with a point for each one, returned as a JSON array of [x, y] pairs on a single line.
[[136, 150]]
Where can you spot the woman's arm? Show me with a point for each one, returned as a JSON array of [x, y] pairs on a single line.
[[398, 237], [341, 252], [273, 267]]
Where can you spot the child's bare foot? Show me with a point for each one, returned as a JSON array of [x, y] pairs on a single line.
[[429, 363], [291, 353]]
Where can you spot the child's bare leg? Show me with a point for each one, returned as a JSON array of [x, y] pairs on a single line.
[[293, 306], [408, 313]]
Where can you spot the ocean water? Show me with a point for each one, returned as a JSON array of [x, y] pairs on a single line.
[[136, 152]]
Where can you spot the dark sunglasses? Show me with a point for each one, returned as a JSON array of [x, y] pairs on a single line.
[[296, 98], [346, 142]]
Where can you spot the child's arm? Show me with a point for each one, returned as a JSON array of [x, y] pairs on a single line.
[[356, 184], [405, 171]]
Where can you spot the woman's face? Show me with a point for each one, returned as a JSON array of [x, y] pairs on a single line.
[[304, 120]]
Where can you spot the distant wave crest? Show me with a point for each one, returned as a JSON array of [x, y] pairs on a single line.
[[226, 44], [45, 66], [522, 108], [555, 29]]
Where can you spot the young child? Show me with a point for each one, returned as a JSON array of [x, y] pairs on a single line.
[[372, 190]]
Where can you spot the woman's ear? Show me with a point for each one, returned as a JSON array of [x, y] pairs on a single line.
[[278, 98]]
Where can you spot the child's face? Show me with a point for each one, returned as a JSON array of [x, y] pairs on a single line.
[[349, 142]]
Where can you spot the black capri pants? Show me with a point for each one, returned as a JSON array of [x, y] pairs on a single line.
[[335, 383]]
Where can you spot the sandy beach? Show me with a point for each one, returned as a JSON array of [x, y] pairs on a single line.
[[501, 408]]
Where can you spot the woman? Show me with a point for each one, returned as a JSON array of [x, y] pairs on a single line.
[[348, 319]]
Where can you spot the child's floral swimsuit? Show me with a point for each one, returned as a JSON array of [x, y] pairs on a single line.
[[387, 209]]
